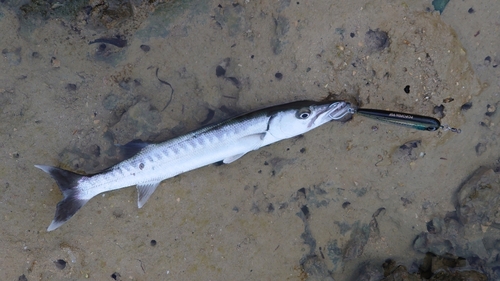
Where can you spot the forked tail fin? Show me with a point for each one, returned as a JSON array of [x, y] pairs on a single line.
[[68, 184]]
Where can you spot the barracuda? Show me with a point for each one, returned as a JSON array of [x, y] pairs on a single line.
[[226, 141]]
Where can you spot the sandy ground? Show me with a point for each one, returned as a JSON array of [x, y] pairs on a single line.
[[301, 209]]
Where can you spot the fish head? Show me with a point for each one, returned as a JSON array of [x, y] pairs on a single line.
[[301, 117]]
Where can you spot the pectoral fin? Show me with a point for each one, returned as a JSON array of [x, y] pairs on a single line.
[[144, 191], [251, 142]]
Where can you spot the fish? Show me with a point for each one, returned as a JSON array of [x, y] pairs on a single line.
[[226, 141]]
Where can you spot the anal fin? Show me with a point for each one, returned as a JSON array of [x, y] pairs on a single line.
[[144, 191], [233, 158]]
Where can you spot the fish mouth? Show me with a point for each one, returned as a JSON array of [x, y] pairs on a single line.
[[338, 110], [335, 111]]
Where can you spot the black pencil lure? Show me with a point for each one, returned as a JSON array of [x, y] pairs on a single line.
[[419, 122]]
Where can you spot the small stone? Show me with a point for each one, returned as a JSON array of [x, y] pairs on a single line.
[[305, 211], [55, 62], [270, 208], [116, 276], [71, 87], [145, 48], [487, 60], [61, 264], [220, 71], [278, 75], [466, 106], [490, 109], [153, 243], [495, 63], [486, 122]]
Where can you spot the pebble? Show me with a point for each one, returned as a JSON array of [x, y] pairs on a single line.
[[55, 62], [487, 60], [278, 75], [61, 264], [220, 71], [495, 63], [485, 123], [71, 87], [116, 276], [145, 48], [466, 106], [305, 211], [490, 110]]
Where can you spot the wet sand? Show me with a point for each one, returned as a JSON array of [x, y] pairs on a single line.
[[301, 209]]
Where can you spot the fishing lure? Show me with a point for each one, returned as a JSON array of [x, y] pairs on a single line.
[[419, 122]]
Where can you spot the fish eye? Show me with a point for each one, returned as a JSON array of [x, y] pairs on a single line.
[[303, 113]]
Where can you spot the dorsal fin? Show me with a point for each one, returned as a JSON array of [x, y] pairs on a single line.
[[133, 147]]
